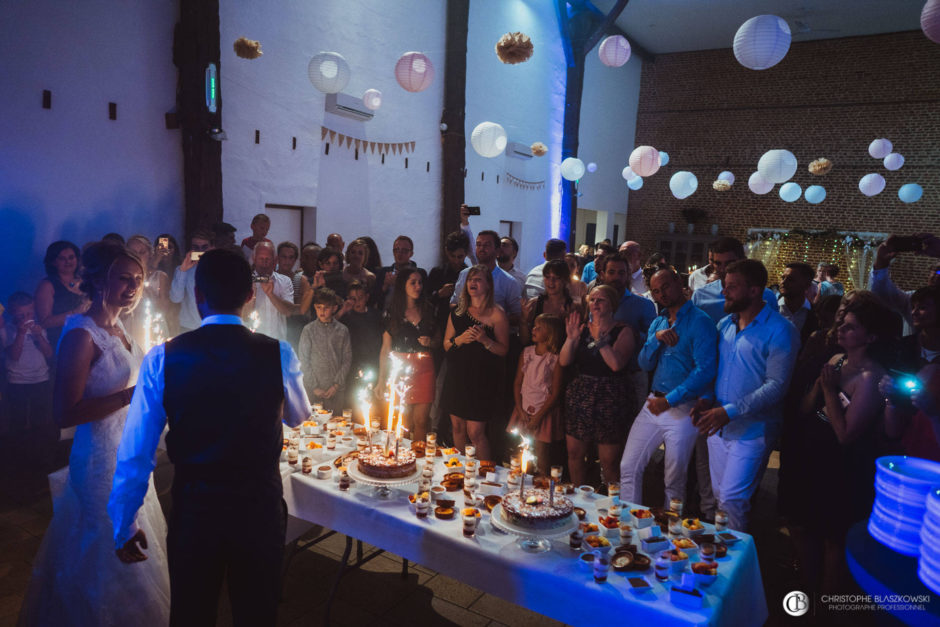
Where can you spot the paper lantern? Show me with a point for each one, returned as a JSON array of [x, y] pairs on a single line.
[[372, 99], [614, 51], [894, 161], [488, 139], [721, 185], [815, 194], [592, 167], [819, 167], [628, 174], [514, 48], [683, 184], [880, 148], [663, 158], [247, 48], [871, 184], [726, 176], [910, 192], [758, 184], [644, 160], [329, 72], [635, 183], [777, 166], [762, 42], [930, 20], [414, 71], [572, 169], [538, 149], [789, 192]]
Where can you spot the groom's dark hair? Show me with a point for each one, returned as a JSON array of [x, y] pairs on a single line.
[[224, 278]]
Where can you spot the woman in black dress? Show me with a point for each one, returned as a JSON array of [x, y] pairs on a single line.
[[476, 341], [58, 295]]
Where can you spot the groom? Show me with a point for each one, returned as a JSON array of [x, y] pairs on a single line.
[[223, 390]]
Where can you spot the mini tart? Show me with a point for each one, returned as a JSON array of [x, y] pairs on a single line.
[[580, 513], [641, 562], [485, 470], [492, 501], [721, 550], [357, 431], [454, 476], [444, 513], [705, 568], [452, 485], [622, 561]]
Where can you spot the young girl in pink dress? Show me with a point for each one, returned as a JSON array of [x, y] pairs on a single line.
[[538, 389]]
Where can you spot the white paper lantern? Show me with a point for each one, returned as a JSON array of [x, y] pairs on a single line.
[[789, 192], [777, 166], [663, 158], [880, 148], [683, 184], [930, 20], [815, 194], [726, 176], [329, 72], [762, 42], [592, 167], [414, 71], [372, 99], [635, 183], [910, 192], [894, 161], [644, 160], [871, 184], [628, 174], [614, 51], [572, 169], [758, 184], [488, 139]]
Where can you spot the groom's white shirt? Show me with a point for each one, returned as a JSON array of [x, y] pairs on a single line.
[[146, 419]]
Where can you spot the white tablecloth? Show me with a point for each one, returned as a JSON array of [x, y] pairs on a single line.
[[555, 583]]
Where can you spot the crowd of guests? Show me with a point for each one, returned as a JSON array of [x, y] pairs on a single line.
[[600, 357]]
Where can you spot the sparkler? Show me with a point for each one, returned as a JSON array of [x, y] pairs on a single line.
[[254, 321]]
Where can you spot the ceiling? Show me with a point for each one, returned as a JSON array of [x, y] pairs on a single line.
[[663, 26]]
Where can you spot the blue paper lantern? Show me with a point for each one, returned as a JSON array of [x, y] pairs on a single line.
[[910, 192], [789, 192], [635, 183], [683, 184], [727, 175], [663, 158], [762, 42], [814, 194]]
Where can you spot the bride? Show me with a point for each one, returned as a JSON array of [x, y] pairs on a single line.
[[77, 579]]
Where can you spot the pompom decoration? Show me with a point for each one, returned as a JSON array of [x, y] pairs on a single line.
[[930, 20], [721, 185], [758, 184], [247, 48], [777, 166], [635, 183], [880, 148], [820, 166], [572, 169], [789, 192], [614, 51], [663, 158], [762, 42], [894, 161], [329, 72], [488, 139], [539, 149], [815, 194], [683, 184], [414, 71], [644, 161], [871, 184], [910, 192], [592, 167], [727, 176], [514, 48], [628, 174], [372, 99]]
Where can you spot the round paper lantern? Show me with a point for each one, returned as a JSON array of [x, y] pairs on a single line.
[[762, 42], [789, 192], [910, 192], [815, 194], [628, 174], [488, 139], [871, 184], [372, 99], [758, 184], [930, 20], [329, 72], [894, 161], [880, 148], [683, 184], [635, 183], [614, 51], [777, 166], [726, 176], [572, 169], [414, 71], [663, 158], [592, 167], [644, 160]]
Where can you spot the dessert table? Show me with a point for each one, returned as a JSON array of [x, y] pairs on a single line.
[[555, 583]]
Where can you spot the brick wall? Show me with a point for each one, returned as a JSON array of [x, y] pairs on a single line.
[[825, 99]]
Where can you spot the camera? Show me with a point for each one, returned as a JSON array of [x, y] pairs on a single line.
[[905, 384], [257, 278], [474, 210]]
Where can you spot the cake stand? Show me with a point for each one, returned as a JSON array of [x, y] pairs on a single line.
[[532, 541], [382, 486]]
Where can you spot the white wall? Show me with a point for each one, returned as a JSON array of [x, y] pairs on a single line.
[[273, 94], [69, 172]]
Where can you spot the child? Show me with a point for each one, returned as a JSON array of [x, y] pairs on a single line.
[[325, 353], [365, 334], [260, 225], [538, 389]]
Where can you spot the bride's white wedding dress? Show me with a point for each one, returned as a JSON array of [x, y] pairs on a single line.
[[77, 578]]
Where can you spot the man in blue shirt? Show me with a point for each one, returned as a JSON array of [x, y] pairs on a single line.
[[681, 350], [757, 348], [506, 290], [710, 298]]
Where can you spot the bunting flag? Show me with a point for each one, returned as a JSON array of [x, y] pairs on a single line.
[[412, 146], [395, 149], [323, 132], [332, 135], [398, 148], [515, 181], [357, 143], [372, 147]]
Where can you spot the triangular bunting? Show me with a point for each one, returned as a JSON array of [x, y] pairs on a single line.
[[342, 138], [348, 141], [323, 132], [358, 141], [372, 147], [412, 146], [394, 149], [332, 135]]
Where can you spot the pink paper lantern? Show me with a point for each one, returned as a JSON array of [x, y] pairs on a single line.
[[614, 51], [644, 161], [414, 71], [930, 20]]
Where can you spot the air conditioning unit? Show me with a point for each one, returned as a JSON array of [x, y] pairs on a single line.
[[517, 150], [348, 106]]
